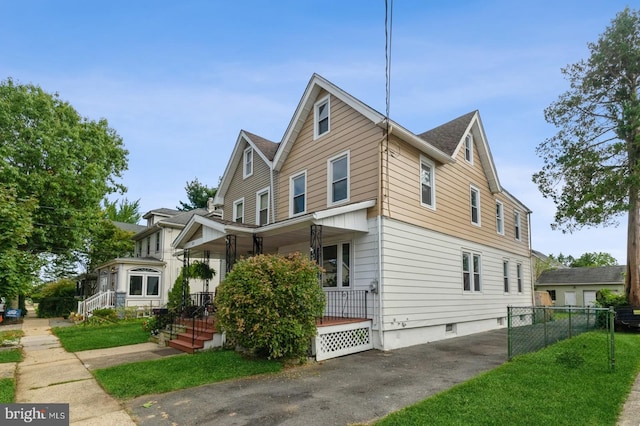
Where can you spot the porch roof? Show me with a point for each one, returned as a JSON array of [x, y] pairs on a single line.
[[202, 234]]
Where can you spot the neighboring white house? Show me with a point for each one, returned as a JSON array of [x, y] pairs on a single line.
[[144, 281]]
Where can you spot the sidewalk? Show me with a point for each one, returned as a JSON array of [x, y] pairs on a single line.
[[630, 415], [50, 374]]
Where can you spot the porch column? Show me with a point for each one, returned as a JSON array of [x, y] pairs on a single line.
[[257, 245], [207, 256], [230, 258], [316, 247], [185, 279]]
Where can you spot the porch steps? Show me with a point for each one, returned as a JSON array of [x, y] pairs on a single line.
[[196, 335]]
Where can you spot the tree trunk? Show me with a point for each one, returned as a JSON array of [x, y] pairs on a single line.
[[632, 278]]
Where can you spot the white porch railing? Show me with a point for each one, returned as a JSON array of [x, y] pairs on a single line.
[[104, 299]]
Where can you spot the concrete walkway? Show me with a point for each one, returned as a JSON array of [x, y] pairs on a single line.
[[50, 374]]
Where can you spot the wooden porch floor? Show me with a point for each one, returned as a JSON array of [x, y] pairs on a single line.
[[329, 321]]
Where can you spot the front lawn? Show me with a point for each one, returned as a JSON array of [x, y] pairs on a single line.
[[83, 337], [563, 384], [179, 372], [7, 391], [10, 355]]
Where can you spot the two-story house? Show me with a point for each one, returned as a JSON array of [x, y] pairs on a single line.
[[414, 230], [144, 280]]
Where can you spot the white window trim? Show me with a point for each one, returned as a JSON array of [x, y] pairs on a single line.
[[145, 275], [339, 277], [476, 190], [258, 195], [431, 164], [472, 272], [330, 161], [517, 224], [469, 138], [158, 243], [316, 108], [500, 217], [244, 213], [506, 275], [519, 282], [245, 173], [306, 198]]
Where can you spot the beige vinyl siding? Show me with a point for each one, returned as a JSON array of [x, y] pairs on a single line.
[[247, 188], [350, 131], [422, 279], [452, 215]]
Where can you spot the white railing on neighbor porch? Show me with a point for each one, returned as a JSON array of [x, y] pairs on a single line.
[[104, 299]]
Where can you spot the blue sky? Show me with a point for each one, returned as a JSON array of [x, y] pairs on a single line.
[[178, 80]]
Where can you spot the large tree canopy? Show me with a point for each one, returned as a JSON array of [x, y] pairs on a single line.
[[592, 165], [197, 194], [65, 163], [125, 211]]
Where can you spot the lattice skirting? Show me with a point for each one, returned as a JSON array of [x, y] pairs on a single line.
[[344, 339]]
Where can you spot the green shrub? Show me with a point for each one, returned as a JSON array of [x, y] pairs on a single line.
[[269, 304], [106, 313], [606, 298], [57, 299]]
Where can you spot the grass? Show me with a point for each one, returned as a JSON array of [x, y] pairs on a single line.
[[10, 335], [11, 355], [85, 337], [7, 391], [179, 372], [563, 384]]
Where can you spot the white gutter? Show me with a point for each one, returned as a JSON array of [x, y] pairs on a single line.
[[380, 286]]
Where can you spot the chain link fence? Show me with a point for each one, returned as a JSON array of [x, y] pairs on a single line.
[[532, 328]]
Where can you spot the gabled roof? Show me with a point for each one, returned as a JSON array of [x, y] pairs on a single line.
[[573, 276], [263, 147], [178, 220], [161, 212], [449, 138]]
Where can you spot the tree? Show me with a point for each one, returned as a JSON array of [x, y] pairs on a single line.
[[126, 211], [108, 242], [66, 163], [562, 259], [197, 194], [17, 266], [594, 259], [592, 165]]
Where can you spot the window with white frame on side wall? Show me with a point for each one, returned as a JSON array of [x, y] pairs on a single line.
[[519, 276], [338, 190], [474, 201], [262, 207], [298, 193], [238, 211], [468, 148], [505, 275], [517, 228], [499, 217], [427, 182], [471, 271], [336, 262]]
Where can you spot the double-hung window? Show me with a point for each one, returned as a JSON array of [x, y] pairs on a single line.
[[149, 245], [248, 163], [505, 275], [427, 183], [475, 205], [339, 179], [516, 219], [298, 191], [499, 218], [321, 124], [471, 271], [238, 211], [468, 148], [262, 207], [157, 242], [519, 276], [336, 261]]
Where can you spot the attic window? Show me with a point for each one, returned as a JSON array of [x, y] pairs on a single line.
[[468, 148], [248, 162], [321, 118]]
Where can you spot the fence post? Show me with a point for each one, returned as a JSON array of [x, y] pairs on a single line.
[[612, 337], [570, 327], [509, 352], [546, 334]]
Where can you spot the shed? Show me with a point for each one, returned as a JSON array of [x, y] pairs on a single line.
[[578, 286]]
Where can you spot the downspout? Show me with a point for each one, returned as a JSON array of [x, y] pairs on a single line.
[[381, 197], [533, 293]]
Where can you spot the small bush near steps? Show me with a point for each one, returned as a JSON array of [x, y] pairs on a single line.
[[269, 305]]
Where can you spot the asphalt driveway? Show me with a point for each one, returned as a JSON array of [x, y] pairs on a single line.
[[353, 389]]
